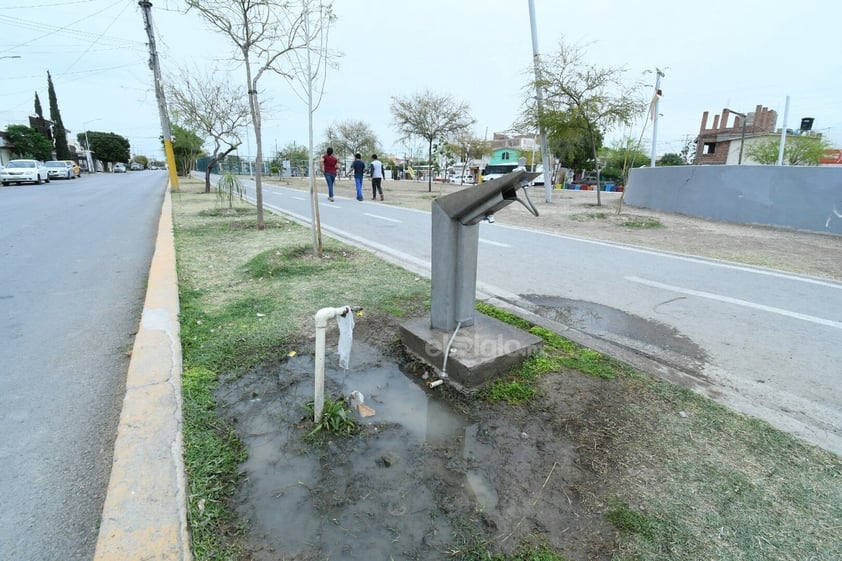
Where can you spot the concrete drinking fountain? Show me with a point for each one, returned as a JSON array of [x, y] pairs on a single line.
[[467, 348]]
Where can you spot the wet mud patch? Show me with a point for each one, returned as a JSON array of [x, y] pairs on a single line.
[[430, 476], [647, 336]]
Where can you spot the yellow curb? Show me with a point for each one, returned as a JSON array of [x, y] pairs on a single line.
[[145, 511]]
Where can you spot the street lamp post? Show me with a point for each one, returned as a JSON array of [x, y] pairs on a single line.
[[742, 135]]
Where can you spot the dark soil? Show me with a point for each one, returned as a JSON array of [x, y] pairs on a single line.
[[432, 475]]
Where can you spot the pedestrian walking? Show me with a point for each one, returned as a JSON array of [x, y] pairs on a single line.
[[329, 168], [377, 175], [359, 172]]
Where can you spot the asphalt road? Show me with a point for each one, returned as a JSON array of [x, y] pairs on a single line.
[[763, 342], [76, 257]]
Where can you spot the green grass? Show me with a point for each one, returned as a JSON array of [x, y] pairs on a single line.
[[248, 297], [558, 354], [586, 216], [642, 223], [709, 484], [335, 419], [212, 456]]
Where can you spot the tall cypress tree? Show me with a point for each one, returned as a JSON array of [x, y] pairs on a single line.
[[59, 134], [38, 110]]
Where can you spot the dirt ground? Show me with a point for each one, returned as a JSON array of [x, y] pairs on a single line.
[[434, 474]]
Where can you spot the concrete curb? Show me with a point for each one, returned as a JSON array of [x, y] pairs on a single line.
[[145, 511]]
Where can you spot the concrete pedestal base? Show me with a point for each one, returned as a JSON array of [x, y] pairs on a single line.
[[479, 354]]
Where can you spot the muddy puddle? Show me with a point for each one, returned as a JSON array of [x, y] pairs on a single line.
[[393, 490], [427, 476]]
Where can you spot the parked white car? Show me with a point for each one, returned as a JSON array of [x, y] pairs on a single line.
[[59, 169], [24, 171]]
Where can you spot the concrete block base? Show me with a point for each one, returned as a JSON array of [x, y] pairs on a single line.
[[480, 353]]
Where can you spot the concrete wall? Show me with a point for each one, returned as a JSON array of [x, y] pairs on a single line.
[[801, 198]]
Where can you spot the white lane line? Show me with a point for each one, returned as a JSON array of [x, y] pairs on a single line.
[[738, 302], [299, 198], [384, 218], [498, 244]]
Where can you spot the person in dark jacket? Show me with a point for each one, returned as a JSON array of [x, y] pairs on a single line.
[[359, 172]]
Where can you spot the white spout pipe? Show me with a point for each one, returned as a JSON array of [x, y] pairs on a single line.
[[322, 317]]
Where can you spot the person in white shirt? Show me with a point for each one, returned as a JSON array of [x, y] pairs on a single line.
[[377, 175]]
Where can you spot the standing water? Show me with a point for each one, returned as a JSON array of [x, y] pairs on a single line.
[[396, 490]]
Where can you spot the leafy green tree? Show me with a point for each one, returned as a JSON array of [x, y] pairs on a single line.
[[27, 142], [431, 117], [297, 156], [142, 160], [106, 146], [569, 139], [618, 159], [800, 150], [187, 147], [671, 159], [593, 96], [59, 132]]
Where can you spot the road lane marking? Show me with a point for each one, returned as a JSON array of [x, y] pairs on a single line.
[[737, 301], [299, 198], [498, 244], [383, 218]]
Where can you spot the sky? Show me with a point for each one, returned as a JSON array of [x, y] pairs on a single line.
[[736, 54]]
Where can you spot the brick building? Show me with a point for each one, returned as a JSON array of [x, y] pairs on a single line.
[[713, 144]]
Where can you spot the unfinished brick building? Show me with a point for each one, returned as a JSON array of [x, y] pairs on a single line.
[[713, 144]]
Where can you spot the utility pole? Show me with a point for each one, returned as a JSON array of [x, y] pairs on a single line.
[[656, 98], [539, 96], [166, 131]]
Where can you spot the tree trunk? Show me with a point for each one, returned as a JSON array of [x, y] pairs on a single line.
[[213, 161], [430, 167]]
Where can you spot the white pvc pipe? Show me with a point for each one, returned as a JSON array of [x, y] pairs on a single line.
[[322, 317]]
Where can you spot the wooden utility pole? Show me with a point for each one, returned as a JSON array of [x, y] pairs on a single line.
[[166, 131]]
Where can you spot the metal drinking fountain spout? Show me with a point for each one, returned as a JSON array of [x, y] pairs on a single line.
[[456, 219]]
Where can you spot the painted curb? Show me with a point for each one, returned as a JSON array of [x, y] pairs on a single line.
[[145, 511]]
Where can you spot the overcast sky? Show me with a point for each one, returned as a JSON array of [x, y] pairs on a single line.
[[715, 54]]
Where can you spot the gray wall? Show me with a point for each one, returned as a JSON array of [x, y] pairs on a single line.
[[798, 197]]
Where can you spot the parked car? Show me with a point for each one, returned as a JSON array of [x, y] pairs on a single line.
[[59, 169], [136, 166], [119, 168], [76, 169], [24, 171]]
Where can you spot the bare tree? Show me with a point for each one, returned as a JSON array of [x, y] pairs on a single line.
[[430, 117], [263, 31], [350, 137], [216, 109], [308, 81], [575, 91]]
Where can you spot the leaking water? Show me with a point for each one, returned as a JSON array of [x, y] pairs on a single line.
[[395, 490], [649, 336]]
